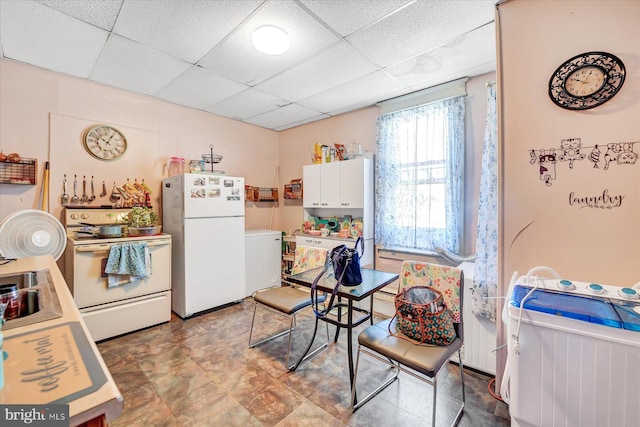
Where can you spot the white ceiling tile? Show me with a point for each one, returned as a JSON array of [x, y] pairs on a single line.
[[249, 103], [199, 88], [129, 65], [283, 116], [39, 35], [186, 29], [450, 61], [420, 26], [319, 73], [302, 122], [102, 13], [371, 87], [348, 16], [238, 60]]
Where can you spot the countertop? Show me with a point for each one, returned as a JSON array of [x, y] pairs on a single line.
[[57, 362]]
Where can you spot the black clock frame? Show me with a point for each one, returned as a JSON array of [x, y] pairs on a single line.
[[614, 74]]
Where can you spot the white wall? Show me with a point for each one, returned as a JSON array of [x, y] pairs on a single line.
[[539, 225]]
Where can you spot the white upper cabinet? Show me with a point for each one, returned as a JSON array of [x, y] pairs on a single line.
[[337, 184]]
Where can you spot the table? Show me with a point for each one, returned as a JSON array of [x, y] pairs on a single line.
[[372, 281]]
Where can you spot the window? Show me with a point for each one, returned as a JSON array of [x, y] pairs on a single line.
[[419, 177]]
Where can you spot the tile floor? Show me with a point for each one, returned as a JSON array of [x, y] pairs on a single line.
[[200, 372]]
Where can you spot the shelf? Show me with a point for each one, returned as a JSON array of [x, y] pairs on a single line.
[[293, 190], [20, 173], [260, 194]]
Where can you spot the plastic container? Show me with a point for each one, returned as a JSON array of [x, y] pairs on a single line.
[[175, 166], [9, 294]]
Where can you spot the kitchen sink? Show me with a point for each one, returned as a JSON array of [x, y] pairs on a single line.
[[38, 297]]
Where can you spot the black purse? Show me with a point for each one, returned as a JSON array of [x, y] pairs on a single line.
[[346, 270]]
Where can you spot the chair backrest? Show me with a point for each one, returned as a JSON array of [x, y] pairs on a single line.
[[307, 258], [448, 280]]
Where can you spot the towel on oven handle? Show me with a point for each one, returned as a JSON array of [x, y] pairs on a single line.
[[127, 263]]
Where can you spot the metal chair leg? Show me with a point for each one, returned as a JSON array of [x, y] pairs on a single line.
[[435, 393], [356, 405]]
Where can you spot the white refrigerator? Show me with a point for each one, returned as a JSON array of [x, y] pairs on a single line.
[[205, 216]]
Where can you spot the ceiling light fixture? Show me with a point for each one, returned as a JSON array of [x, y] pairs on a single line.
[[270, 40]]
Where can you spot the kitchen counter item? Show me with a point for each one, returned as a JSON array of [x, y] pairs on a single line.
[[144, 231], [175, 166]]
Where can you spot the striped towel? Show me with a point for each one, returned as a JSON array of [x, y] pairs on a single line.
[[128, 262]]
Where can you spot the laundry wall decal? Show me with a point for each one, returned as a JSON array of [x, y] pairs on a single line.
[[571, 151], [602, 200]]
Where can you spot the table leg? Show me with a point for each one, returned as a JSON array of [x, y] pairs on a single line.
[[350, 345], [371, 310], [339, 318]]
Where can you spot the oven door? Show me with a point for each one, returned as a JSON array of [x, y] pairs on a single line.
[[89, 283]]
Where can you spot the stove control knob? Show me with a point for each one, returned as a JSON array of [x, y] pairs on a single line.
[[84, 216], [594, 288], [628, 293], [566, 285]]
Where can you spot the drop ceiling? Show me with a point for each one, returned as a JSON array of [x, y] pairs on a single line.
[[344, 54]]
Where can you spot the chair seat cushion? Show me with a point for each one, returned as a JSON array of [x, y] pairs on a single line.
[[426, 359], [285, 299]]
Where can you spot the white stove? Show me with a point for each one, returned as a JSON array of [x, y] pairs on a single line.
[[111, 311], [573, 352]]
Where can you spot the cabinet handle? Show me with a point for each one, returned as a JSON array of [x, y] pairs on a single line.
[[315, 204], [324, 204], [345, 204]]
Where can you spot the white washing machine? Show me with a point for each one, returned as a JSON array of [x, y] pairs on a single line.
[[573, 354]]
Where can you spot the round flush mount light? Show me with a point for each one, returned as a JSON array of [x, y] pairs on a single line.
[[270, 40]]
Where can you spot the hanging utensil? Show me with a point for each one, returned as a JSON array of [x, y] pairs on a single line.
[[93, 193], [45, 188], [65, 196], [84, 197], [114, 195], [104, 189], [75, 199]]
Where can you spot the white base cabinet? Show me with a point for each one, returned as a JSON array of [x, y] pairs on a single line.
[[329, 243]]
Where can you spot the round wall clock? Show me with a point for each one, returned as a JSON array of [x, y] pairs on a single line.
[[105, 142], [586, 80]]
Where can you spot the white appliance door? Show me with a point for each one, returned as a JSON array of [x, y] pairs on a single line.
[[214, 262], [208, 196]]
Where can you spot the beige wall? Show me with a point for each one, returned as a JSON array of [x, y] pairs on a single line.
[[43, 115], [539, 226], [360, 127]]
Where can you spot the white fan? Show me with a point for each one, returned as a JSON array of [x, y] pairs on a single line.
[[31, 232]]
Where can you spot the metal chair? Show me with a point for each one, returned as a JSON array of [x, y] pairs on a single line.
[[288, 300], [423, 362]]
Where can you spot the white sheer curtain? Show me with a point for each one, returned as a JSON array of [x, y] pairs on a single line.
[[419, 177], [485, 276]]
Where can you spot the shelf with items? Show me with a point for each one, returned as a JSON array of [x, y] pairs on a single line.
[[293, 190], [22, 172], [288, 251], [260, 194]]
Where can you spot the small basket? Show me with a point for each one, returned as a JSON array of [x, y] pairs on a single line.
[[212, 158]]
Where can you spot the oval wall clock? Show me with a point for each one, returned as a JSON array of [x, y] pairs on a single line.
[[586, 80]]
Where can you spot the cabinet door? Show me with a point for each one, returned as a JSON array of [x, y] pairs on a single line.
[[311, 179], [352, 184], [330, 185]]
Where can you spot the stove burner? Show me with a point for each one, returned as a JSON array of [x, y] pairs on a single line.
[[566, 285], [596, 289], [628, 293]]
